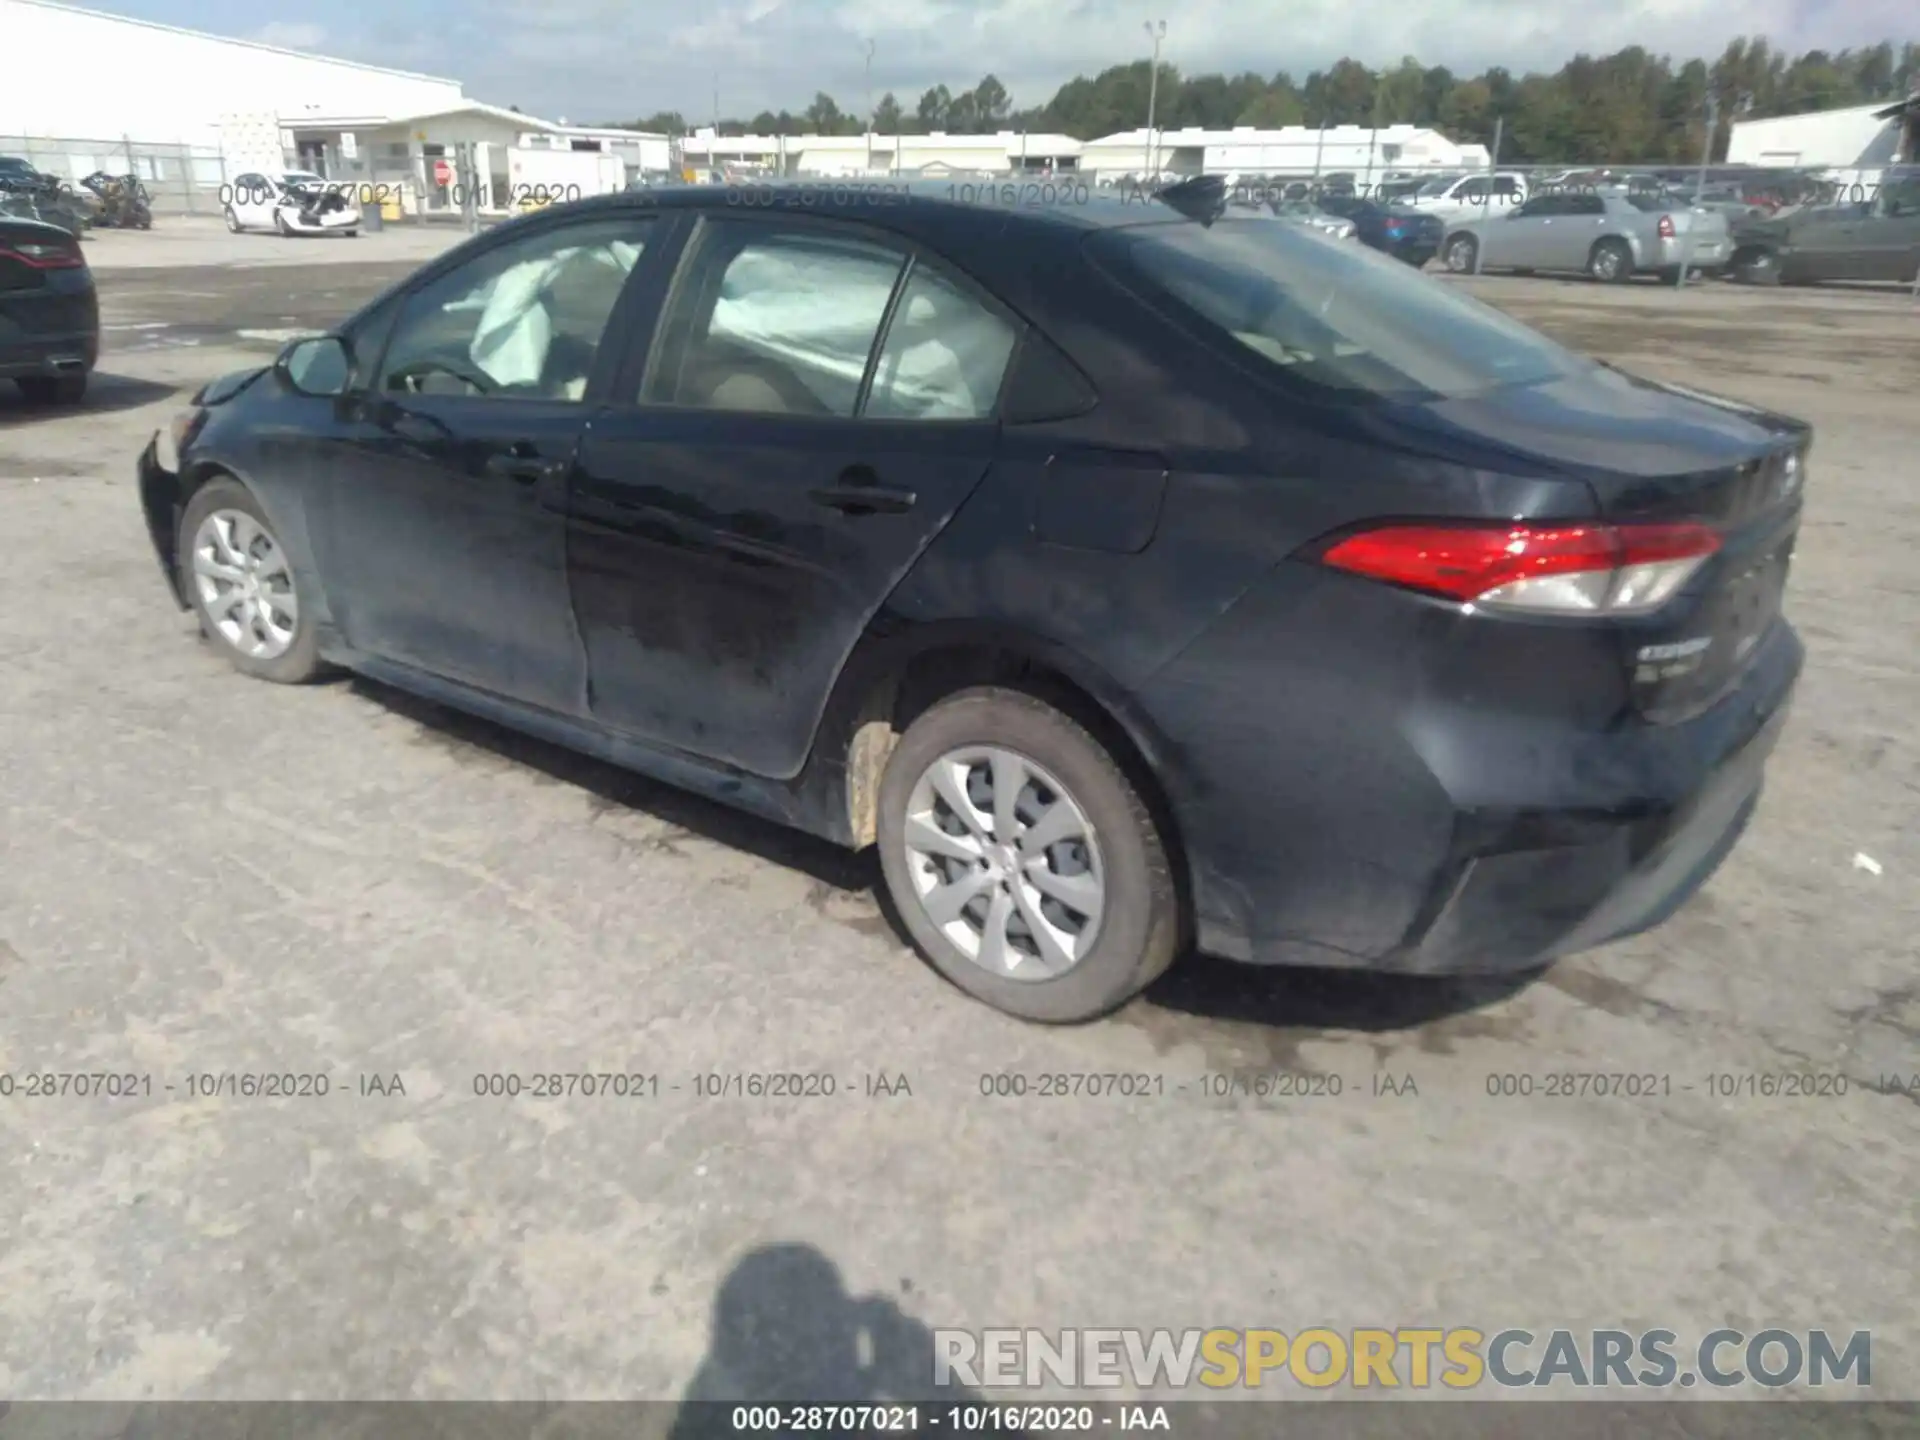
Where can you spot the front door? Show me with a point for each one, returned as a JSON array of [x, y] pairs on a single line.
[[1519, 237], [1890, 241], [446, 528], [818, 405]]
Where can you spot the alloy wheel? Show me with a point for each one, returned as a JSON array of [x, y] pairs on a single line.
[[1005, 863], [245, 585]]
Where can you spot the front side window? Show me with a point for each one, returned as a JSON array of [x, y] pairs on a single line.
[[521, 322], [1341, 321], [1586, 205]]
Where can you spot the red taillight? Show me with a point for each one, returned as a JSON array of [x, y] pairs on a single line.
[[1666, 227], [45, 257], [1571, 569]]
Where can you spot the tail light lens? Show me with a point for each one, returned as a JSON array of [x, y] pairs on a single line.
[[1666, 227], [46, 257], [1538, 570]]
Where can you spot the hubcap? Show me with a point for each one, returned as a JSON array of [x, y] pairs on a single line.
[[1462, 256], [244, 584], [1005, 863]]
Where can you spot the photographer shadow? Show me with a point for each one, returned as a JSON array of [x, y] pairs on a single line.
[[786, 1333]]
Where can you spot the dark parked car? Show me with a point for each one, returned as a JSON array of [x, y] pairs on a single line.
[[1132, 575], [49, 314], [1876, 239], [1405, 234]]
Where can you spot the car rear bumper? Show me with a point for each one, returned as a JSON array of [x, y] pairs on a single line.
[[24, 356], [1420, 833]]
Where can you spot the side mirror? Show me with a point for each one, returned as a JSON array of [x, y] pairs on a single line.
[[321, 366]]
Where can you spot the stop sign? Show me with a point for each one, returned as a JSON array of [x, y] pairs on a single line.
[[443, 172]]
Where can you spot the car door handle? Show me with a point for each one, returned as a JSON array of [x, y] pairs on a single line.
[[524, 469], [859, 492]]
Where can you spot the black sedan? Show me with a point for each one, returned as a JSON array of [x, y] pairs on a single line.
[[1409, 235], [1134, 576], [49, 313]]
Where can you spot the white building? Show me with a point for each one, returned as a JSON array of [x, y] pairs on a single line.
[[1294, 150], [83, 90], [828, 155], [1860, 137]]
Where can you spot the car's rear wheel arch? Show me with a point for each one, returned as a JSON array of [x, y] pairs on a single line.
[[889, 693]]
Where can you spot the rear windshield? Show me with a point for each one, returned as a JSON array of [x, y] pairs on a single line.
[[1332, 315]]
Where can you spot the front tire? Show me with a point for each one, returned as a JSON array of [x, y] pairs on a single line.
[[280, 224], [1462, 254], [53, 389], [1757, 267], [233, 222], [1610, 262], [237, 576], [1024, 863]]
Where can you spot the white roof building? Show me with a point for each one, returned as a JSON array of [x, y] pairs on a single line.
[[828, 155], [189, 111], [1294, 150], [1858, 137]]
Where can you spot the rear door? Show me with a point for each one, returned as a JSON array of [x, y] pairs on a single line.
[[818, 402]]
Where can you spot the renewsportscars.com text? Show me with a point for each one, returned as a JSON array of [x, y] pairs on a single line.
[[1457, 1358]]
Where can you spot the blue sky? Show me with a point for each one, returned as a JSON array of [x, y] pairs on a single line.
[[596, 60]]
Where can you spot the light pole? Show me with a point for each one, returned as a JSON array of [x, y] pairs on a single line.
[[1156, 32], [869, 107]]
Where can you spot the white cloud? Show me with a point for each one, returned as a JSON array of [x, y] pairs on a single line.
[[291, 35]]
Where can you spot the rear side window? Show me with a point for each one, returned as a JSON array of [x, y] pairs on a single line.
[[944, 357], [1341, 321], [775, 321]]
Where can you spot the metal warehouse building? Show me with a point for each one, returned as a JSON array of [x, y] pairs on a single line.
[[1859, 137], [188, 111]]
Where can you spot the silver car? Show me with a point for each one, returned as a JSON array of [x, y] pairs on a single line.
[[1612, 235], [1305, 212]]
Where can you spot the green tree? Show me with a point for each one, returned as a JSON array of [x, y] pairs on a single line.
[[933, 109], [886, 115]]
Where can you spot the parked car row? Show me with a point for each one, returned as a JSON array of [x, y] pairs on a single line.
[[101, 200]]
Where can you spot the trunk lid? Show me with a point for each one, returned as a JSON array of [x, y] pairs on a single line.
[[1659, 453]]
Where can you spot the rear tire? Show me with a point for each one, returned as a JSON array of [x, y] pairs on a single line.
[[1462, 254], [1610, 262], [1118, 858], [295, 662], [53, 389]]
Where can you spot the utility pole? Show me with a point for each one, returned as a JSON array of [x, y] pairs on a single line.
[[1156, 32], [1699, 185], [1486, 203], [1319, 149], [713, 149], [870, 107], [1373, 136]]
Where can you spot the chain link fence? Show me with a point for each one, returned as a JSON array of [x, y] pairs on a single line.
[[179, 179]]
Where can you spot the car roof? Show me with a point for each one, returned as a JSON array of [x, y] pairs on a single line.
[[1056, 205]]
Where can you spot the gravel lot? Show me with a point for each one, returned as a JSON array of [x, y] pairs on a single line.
[[201, 875]]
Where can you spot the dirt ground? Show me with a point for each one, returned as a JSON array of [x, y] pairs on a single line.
[[204, 876]]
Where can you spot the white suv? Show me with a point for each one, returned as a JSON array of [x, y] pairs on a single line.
[[1463, 196]]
